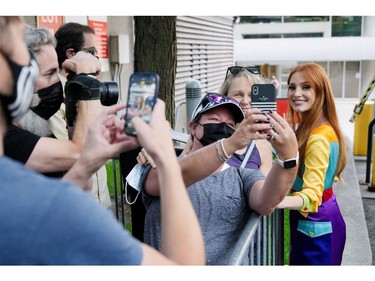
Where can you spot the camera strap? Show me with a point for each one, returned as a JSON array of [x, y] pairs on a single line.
[[79, 87], [83, 87], [249, 150]]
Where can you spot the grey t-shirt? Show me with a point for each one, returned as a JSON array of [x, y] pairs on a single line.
[[221, 204]]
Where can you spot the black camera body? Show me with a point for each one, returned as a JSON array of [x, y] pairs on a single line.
[[109, 90], [85, 87]]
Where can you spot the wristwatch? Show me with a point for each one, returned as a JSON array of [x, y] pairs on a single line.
[[288, 163]]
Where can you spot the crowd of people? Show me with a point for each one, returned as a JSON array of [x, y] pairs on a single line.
[[196, 204]]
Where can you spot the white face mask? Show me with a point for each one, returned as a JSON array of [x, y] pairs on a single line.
[[24, 77], [133, 179]]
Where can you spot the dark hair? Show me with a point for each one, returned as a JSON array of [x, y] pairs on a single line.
[[70, 35]]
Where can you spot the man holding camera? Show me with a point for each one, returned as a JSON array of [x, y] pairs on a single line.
[[29, 140], [71, 38]]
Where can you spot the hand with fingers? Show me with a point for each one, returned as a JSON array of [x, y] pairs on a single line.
[[82, 62], [105, 140], [256, 125], [155, 137], [282, 137], [145, 158]]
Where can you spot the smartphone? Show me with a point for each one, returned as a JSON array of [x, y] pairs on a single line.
[[142, 95], [263, 96]]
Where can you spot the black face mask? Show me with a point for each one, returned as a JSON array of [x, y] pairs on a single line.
[[213, 132], [24, 77], [51, 99]]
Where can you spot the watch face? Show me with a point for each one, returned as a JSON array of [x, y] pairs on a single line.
[[290, 164]]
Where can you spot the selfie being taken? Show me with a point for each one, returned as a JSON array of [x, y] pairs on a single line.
[[215, 141]]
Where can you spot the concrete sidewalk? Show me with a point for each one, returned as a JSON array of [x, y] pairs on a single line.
[[357, 248]]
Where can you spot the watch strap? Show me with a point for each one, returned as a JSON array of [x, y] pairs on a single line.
[[288, 163]]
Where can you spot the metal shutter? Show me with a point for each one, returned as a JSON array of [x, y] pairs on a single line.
[[204, 51]]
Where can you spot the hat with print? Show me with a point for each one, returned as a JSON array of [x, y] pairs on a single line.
[[212, 100]]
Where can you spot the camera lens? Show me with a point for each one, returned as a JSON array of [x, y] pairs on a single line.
[[109, 93], [255, 90]]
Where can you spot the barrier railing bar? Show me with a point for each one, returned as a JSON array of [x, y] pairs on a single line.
[[242, 247]]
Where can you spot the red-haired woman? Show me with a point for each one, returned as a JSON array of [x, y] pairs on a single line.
[[317, 228]]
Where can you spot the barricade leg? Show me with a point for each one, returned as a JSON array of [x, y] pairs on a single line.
[[372, 186]]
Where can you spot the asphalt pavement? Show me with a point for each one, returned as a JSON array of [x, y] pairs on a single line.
[[368, 199], [357, 205]]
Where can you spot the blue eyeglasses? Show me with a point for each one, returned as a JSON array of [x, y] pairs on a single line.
[[237, 69]]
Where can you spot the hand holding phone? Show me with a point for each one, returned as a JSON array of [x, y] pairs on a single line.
[[263, 96], [142, 95]]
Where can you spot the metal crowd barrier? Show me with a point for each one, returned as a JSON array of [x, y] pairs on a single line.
[[261, 241], [118, 185]]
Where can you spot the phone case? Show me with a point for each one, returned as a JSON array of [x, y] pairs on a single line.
[[142, 95], [263, 96]]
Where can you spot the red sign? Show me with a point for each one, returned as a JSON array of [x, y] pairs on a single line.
[[101, 33], [282, 106], [50, 22]]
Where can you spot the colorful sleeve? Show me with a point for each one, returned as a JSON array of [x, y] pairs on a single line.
[[316, 163]]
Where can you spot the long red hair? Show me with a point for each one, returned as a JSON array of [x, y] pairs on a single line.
[[323, 108]]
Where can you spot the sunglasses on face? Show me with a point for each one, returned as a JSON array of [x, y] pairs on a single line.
[[237, 69]]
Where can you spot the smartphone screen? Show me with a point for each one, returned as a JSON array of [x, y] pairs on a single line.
[[142, 95], [263, 96]]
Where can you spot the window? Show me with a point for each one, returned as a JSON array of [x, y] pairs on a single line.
[[346, 26], [352, 79], [336, 76], [260, 19], [306, 19], [282, 35], [285, 70], [260, 36], [298, 35]]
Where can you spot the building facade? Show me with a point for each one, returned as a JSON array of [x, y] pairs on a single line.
[[204, 51], [206, 46], [343, 45]]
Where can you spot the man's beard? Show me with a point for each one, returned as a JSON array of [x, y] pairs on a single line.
[[33, 122]]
